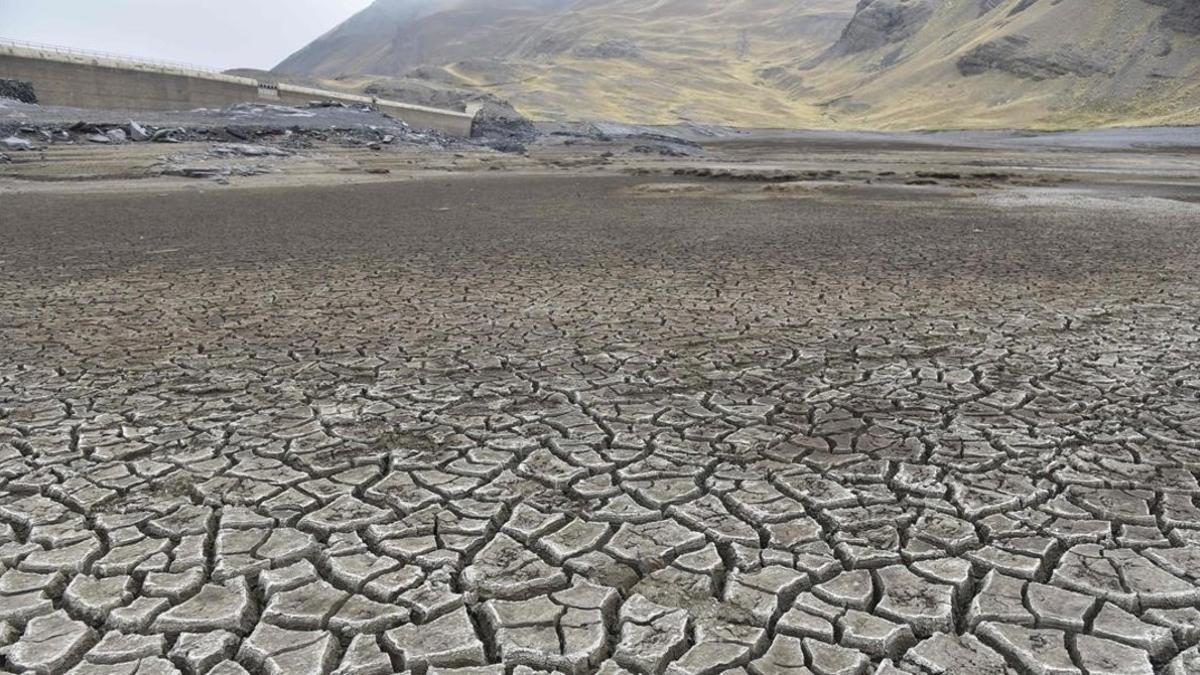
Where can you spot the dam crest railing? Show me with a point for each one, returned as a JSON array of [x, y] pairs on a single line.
[[111, 57]]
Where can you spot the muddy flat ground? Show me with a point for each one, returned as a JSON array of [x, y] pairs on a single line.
[[796, 410]]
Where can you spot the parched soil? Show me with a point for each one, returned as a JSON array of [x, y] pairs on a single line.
[[578, 424]]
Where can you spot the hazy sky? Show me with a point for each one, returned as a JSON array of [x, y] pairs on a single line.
[[215, 33]]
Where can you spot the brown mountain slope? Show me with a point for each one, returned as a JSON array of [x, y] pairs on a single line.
[[656, 61], [785, 63], [981, 63], [391, 37]]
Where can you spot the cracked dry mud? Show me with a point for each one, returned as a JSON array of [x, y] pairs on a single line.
[[501, 424]]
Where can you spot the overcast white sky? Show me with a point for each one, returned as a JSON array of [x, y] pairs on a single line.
[[216, 33]]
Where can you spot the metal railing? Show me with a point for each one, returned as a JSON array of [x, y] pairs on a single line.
[[108, 56]]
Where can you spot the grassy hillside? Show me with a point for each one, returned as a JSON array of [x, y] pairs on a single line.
[[1069, 63], [784, 63]]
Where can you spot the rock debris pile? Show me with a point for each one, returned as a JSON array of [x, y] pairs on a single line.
[[247, 123], [17, 90]]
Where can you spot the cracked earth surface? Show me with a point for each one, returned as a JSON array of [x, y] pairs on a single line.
[[502, 425]]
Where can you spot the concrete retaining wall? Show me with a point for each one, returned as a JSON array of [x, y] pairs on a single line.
[[82, 81], [417, 116]]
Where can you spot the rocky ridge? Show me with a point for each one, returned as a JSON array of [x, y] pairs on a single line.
[[877, 23]]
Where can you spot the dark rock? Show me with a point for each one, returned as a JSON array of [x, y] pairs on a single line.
[[847, 104], [503, 122], [986, 6], [589, 133], [193, 172], [610, 49], [1021, 7], [18, 90], [213, 171], [511, 147], [881, 22], [500, 127], [1013, 55], [660, 149], [667, 140], [167, 136], [1182, 16]]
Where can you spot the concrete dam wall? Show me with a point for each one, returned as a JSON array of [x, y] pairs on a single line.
[[81, 80]]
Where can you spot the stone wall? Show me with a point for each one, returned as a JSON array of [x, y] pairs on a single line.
[[82, 81]]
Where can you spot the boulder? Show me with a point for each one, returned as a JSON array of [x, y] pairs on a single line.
[[16, 144], [18, 90], [137, 132]]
